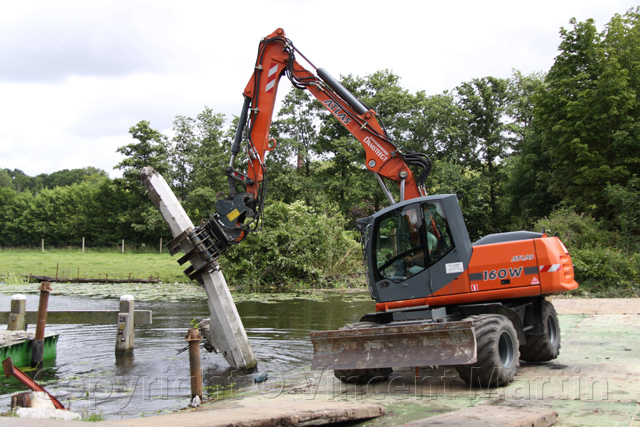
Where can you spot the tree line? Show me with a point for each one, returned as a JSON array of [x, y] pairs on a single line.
[[559, 149]]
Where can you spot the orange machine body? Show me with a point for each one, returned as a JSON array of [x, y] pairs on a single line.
[[501, 271]]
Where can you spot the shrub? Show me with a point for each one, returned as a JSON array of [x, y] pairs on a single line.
[[607, 272], [602, 267], [299, 247], [577, 231]]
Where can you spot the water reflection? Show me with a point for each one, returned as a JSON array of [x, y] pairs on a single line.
[[89, 378]]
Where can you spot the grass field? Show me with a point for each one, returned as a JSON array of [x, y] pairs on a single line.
[[69, 264]]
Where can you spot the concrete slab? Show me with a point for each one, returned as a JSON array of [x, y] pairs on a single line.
[[491, 416], [242, 413], [252, 413]]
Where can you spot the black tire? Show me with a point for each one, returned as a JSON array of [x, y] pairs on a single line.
[[545, 347], [362, 376], [497, 350]]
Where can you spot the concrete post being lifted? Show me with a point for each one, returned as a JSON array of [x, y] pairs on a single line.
[[226, 327], [18, 317]]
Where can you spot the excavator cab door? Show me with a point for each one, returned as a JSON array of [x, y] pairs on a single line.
[[416, 247]]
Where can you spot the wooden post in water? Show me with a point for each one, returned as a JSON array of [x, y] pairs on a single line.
[[126, 331], [193, 338], [17, 317], [37, 347]]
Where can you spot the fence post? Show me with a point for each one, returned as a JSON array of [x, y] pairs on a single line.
[[122, 245], [126, 331], [42, 244], [160, 248], [83, 245], [17, 317], [37, 347]]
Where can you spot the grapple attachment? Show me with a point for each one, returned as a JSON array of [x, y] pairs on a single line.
[[209, 241], [395, 346]]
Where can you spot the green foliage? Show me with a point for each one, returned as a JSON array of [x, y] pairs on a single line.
[[300, 246], [198, 156], [577, 231], [623, 203], [150, 149], [587, 116], [472, 189], [93, 418], [601, 267], [607, 271]]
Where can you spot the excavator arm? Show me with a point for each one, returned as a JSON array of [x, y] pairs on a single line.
[[276, 57], [240, 212]]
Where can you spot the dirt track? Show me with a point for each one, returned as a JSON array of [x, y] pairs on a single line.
[[629, 306]]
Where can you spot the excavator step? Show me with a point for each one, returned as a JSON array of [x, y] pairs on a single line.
[[395, 346]]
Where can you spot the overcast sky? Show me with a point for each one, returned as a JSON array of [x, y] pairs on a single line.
[[76, 75]]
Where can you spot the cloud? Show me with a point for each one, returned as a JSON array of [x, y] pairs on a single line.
[[75, 75], [52, 41]]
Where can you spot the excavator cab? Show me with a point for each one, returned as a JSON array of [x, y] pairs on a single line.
[[415, 248]]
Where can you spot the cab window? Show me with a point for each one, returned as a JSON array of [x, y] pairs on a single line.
[[399, 246], [438, 235]]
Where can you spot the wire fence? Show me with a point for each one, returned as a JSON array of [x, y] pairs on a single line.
[[82, 245]]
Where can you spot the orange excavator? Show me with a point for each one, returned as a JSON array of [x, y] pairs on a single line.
[[440, 299]]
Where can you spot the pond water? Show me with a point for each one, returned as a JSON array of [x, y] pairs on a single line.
[[88, 378]]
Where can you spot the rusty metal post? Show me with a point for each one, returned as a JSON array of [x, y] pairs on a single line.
[[37, 347], [126, 330], [17, 317], [193, 338]]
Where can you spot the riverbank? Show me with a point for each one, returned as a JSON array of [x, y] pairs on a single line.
[[594, 382]]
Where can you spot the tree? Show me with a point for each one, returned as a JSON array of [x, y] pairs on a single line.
[[527, 185], [438, 128], [588, 116], [20, 181], [5, 179], [485, 102], [151, 149], [198, 158], [66, 177], [292, 166]]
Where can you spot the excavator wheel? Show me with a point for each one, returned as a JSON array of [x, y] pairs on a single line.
[[362, 376], [497, 350], [545, 347]]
